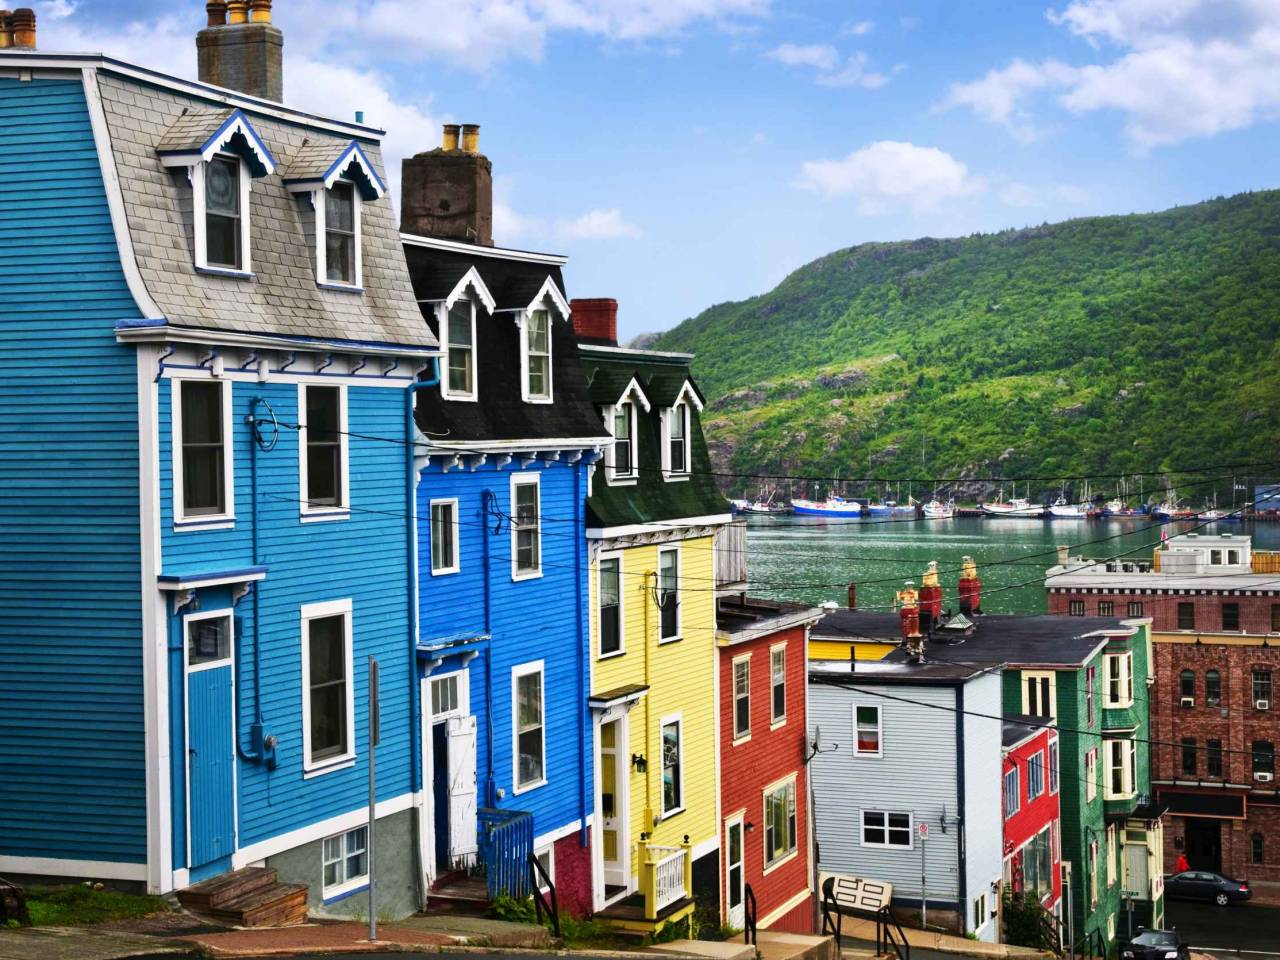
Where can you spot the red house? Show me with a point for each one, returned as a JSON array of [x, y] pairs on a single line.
[[1032, 831], [765, 840]]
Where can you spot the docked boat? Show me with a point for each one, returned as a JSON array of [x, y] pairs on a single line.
[[907, 509], [937, 510], [1017, 507], [1172, 511], [1061, 510], [882, 509], [831, 507]]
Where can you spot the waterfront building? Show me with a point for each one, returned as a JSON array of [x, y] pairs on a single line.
[[1032, 829], [503, 451], [906, 783], [1215, 606], [208, 336], [652, 512], [766, 836]]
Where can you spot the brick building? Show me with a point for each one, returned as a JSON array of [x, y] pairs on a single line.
[[1215, 606]]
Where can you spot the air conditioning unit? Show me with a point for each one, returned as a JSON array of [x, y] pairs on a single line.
[[1263, 777], [1188, 701], [1262, 704]]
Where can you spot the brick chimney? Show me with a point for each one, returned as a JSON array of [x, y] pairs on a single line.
[[18, 29], [448, 192], [241, 49], [595, 320]]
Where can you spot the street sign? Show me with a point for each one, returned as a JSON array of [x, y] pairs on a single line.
[[922, 829]]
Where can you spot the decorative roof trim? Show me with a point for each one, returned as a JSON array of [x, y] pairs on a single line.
[[658, 526], [161, 331], [476, 282], [689, 388], [210, 578], [631, 352], [371, 185], [261, 162], [633, 386], [475, 250], [549, 291], [516, 446]]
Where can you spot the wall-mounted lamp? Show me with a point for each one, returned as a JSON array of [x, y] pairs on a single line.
[[639, 762], [749, 826]]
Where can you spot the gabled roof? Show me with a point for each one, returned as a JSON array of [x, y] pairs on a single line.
[[319, 163], [528, 291], [198, 134]]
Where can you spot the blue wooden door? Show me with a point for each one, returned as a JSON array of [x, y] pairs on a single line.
[[210, 766]]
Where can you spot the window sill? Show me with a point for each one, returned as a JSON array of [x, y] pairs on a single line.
[[863, 755], [324, 516], [675, 477], [662, 641], [621, 481], [204, 523], [611, 656], [228, 272], [340, 287], [344, 890], [770, 867], [329, 766], [538, 400], [445, 571], [739, 741], [531, 575], [516, 791], [668, 814], [778, 724], [459, 397]]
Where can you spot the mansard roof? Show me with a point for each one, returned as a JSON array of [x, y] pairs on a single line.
[[320, 162], [200, 133]]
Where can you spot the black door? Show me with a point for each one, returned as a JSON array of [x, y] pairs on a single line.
[[1204, 843], [440, 790]]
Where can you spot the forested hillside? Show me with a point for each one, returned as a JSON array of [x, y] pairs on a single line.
[[1094, 346]]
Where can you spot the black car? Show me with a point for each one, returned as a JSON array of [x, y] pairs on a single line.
[[1156, 945], [1203, 885]]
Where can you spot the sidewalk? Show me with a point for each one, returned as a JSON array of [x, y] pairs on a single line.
[[865, 930], [85, 943]]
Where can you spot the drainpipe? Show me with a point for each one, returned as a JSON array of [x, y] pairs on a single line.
[[580, 551], [261, 750], [490, 502], [411, 545], [648, 797]]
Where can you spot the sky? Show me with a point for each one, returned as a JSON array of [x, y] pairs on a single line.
[[687, 152]]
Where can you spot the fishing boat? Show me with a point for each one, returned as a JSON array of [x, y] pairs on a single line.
[[831, 507], [907, 509], [1061, 510], [937, 510], [1017, 507], [764, 506]]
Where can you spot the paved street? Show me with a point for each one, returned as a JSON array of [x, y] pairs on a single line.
[[1245, 930]]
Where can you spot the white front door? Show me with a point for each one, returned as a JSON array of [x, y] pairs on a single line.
[[461, 734], [734, 881], [614, 782]]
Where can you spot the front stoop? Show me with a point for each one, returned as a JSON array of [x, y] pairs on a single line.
[[249, 897], [795, 946]]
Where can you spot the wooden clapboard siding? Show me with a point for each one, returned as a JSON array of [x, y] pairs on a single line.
[[71, 730]]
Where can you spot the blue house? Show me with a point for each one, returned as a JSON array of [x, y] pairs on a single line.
[[209, 347], [506, 441]]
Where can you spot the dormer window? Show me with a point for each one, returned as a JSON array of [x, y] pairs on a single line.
[[623, 459], [226, 224], [537, 353], [341, 227], [678, 439], [460, 351]]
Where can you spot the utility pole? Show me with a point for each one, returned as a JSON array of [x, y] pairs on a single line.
[[922, 829], [374, 723]]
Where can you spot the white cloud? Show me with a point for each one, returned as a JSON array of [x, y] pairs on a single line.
[[820, 56], [597, 224], [1019, 195], [890, 173], [855, 74], [1173, 69], [57, 9], [831, 70], [859, 29]]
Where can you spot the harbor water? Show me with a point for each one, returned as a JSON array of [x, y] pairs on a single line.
[[812, 559]]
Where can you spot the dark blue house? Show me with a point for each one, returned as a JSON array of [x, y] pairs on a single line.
[[504, 449], [209, 347]]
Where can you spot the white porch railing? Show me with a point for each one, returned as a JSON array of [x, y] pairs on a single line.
[[670, 879], [666, 876]]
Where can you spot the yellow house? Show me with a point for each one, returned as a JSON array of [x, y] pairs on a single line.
[[652, 513]]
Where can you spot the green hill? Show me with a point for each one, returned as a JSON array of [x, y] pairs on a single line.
[[1093, 346]]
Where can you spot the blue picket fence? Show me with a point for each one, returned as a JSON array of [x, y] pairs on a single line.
[[506, 843]]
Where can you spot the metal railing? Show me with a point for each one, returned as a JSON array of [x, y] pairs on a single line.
[[506, 844], [543, 902], [749, 916]]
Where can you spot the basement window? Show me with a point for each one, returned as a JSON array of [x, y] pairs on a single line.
[[346, 863]]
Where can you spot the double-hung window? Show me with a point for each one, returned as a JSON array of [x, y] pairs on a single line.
[[328, 700], [742, 697], [537, 356], [1212, 688], [610, 605], [1053, 765], [460, 351], [1091, 774], [526, 527], [672, 767], [1213, 757], [1039, 694], [1012, 792], [866, 730], [677, 431], [1264, 758], [346, 862], [444, 537], [323, 448], [779, 822], [778, 683], [1186, 615], [1261, 688], [669, 593], [881, 828], [623, 452], [225, 221], [1035, 776], [1119, 679], [1135, 608], [1189, 756], [1231, 616], [342, 234], [1090, 681], [529, 730], [203, 437], [1075, 608]]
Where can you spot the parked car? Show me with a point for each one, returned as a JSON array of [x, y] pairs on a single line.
[[1203, 885], [1156, 945]]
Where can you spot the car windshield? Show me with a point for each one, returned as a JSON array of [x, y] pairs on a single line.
[[1155, 938]]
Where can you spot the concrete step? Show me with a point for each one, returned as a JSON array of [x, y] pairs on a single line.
[[776, 945]]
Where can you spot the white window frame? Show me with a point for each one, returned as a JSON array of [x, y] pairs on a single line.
[[200, 240], [612, 477], [679, 634], [462, 690], [518, 671], [980, 912], [525, 393], [319, 205], [669, 470], [1053, 765], [1091, 774], [1122, 677], [745, 661], [348, 884], [548, 851], [620, 557], [776, 720], [791, 853], [1126, 763], [456, 565], [911, 829], [318, 611], [443, 324], [1038, 676], [1011, 802], [1035, 762], [879, 751], [525, 480], [342, 511], [664, 722], [202, 521]]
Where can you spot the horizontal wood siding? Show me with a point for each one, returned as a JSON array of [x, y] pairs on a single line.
[[71, 727], [983, 814], [364, 558]]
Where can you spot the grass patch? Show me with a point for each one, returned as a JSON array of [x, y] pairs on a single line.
[[74, 905]]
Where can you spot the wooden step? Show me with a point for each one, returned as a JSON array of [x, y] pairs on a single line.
[[466, 895], [279, 905], [213, 893]]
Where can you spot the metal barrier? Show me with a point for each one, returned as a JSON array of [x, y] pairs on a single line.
[[506, 844], [749, 912]]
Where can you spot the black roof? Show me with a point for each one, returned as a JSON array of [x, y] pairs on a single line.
[[741, 616], [1014, 639], [880, 672], [499, 413], [1018, 727]]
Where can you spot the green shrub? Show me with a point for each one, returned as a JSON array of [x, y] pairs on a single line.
[[1027, 924]]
